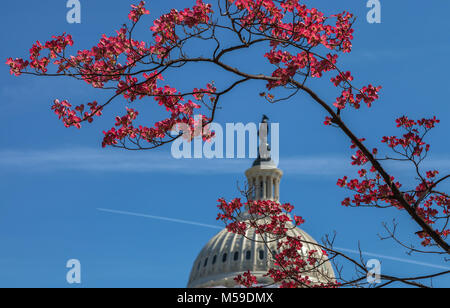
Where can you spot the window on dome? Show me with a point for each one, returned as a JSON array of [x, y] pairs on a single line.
[[198, 266], [214, 259], [224, 257], [236, 256], [206, 262], [261, 254], [248, 254]]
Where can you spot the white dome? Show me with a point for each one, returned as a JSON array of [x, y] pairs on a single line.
[[228, 254]]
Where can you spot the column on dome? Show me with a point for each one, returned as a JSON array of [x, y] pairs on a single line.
[[264, 189], [257, 188], [260, 194], [278, 185], [250, 189], [273, 189], [253, 181], [269, 188], [277, 189]]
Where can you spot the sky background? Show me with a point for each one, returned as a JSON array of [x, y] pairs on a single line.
[[53, 180]]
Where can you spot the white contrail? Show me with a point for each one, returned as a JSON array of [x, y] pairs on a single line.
[[161, 218], [370, 254], [217, 227]]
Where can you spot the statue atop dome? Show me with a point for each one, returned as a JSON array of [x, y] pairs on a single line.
[[264, 146]]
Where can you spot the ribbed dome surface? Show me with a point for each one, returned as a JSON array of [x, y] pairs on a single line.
[[228, 254]]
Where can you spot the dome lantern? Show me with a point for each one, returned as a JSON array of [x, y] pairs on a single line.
[[264, 177]]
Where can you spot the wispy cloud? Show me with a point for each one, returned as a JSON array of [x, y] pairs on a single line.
[[318, 165], [84, 159], [107, 160], [393, 53]]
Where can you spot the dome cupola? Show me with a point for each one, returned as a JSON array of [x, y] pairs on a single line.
[[264, 177]]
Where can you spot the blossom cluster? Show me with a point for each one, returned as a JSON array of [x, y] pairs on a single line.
[[74, 116], [164, 28], [137, 11], [37, 62]]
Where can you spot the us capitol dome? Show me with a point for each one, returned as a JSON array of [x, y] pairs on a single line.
[[228, 254]]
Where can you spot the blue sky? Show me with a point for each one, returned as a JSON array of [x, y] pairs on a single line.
[[53, 180]]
